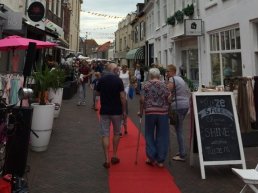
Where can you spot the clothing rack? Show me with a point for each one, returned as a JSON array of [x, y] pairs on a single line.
[[232, 83]]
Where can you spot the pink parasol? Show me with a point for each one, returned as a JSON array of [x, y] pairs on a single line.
[[18, 42]]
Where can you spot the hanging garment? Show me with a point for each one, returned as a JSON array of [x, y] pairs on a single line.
[[250, 97], [14, 91], [256, 99], [242, 109]]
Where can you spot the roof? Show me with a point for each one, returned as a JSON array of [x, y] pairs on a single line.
[[104, 47], [90, 43]]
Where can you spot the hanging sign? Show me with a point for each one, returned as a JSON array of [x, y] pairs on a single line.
[[193, 27], [217, 128], [36, 11]]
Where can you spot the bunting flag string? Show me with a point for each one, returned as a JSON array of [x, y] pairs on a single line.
[[100, 28], [103, 15], [98, 33]]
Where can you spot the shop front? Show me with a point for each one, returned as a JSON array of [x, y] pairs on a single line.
[[135, 56]]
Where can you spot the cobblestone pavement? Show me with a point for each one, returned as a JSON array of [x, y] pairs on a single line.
[[73, 161]]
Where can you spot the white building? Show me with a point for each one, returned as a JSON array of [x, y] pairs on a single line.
[[74, 39], [168, 44], [230, 39]]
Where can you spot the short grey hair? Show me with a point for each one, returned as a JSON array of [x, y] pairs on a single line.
[[154, 73], [111, 67]]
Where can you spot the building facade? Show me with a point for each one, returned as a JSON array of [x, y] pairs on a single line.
[[123, 39], [74, 38], [40, 20], [136, 55], [229, 46]]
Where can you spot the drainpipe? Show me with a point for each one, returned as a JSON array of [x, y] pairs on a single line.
[[199, 48]]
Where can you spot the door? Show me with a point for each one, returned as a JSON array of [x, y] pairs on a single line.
[[189, 67]]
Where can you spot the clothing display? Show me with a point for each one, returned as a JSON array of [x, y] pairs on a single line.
[[246, 91], [10, 84]]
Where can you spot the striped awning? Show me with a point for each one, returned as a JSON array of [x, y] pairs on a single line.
[[135, 54]]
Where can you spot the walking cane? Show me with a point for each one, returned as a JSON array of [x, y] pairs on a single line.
[[138, 141]]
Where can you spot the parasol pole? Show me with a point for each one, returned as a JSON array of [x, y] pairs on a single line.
[[29, 62]]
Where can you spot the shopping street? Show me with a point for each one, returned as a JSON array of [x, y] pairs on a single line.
[[73, 161]]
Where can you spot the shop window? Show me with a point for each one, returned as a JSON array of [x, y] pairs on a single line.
[[226, 58]]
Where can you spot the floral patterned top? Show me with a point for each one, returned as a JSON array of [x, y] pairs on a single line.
[[156, 96]]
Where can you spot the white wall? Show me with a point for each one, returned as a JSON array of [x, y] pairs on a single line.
[[220, 14]]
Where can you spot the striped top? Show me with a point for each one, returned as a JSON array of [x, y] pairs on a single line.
[[155, 95]]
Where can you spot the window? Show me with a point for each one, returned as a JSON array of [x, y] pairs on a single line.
[[142, 30], [124, 43], [165, 15], [158, 13], [166, 57], [136, 34], [120, 44], [225, 50]]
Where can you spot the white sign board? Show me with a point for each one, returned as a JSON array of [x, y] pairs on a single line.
[[193, 27], [14, 21], [217, 130]]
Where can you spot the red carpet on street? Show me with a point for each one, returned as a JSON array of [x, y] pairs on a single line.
[[128, 177]]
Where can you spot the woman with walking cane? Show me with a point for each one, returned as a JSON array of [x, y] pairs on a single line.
[[154, 102]]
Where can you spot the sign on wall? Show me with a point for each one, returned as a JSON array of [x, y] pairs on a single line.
[[193, 27], [36, 11], [217, 129], [14, 21]]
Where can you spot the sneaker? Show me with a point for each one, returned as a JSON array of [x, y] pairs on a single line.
[[79, 104], [178, 158], [83, 103]]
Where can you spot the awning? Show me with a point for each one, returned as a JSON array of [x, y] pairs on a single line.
[[135, 54], [62, 48]]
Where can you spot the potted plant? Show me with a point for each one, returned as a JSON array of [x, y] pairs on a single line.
[[179, 15], [43, 111], [189, 10], [55, 93], [171, 20]]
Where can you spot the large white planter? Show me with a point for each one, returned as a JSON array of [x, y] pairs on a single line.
[[42, 123], [56, 96]]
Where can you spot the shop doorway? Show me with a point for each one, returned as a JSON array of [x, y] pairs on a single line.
[[189, 67]]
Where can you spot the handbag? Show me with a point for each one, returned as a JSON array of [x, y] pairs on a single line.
[[173, 116]]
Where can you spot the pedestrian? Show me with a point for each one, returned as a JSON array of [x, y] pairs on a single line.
[[180, 94], [93, 86], [154, 102], [84, 73], [110, 88], [137, 74], [125, 76]]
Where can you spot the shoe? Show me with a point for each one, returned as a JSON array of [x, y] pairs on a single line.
[[120, 134], [79, 104], [115, 160], [125, 132], [106, 165], [178, 158], [83, 103], [149, 162], [160, 165]]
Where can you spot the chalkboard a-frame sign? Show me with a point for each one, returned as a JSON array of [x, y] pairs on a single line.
[[217, 129]]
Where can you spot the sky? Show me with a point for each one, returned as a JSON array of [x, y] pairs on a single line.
[[100, 18]]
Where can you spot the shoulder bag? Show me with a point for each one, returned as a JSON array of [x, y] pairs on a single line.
[[173, 116]]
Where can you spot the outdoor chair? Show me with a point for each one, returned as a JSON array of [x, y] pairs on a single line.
[[249, 176]]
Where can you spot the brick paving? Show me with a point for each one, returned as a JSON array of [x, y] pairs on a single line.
[[73, 161]]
